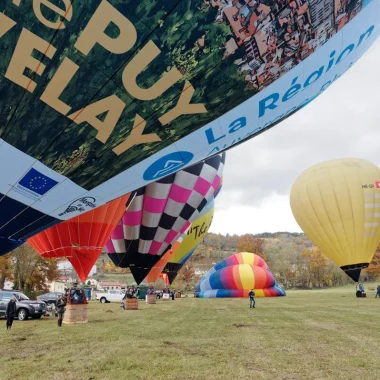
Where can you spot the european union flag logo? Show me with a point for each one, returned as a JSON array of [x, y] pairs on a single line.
[[37, 182]]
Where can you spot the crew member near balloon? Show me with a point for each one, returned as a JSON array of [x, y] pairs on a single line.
[[61, 303], [252, 301], [378, 291], [10, 313]]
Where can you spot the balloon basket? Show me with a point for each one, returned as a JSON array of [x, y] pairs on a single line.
[[151, 299], [166, 297], [75, 313], [178, 295], [131, 304]]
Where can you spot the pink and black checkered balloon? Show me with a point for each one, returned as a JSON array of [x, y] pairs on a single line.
[[160, 213]]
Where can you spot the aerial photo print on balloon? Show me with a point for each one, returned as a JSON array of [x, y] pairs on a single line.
[[99, 98]]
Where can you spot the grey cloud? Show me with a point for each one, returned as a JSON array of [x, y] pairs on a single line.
[[342, 122]]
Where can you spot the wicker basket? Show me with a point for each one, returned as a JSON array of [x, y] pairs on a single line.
[[76, 313], [151, 299], [131, 304]]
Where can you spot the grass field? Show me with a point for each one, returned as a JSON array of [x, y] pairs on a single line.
[[319, 334]]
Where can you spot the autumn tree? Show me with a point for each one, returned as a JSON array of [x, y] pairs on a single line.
[[31, 271], [186, 274], [6, 269], [373, 269], [284, 259], [248, 243], [185, 278], [316, 263]]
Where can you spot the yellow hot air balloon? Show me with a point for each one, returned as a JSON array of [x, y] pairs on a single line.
[[337, 205]]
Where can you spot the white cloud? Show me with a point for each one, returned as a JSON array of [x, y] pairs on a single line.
[[342, 122]]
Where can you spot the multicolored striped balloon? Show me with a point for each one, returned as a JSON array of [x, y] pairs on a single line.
[[236, 275]]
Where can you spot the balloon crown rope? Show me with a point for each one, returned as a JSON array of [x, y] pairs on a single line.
[[11, 239]]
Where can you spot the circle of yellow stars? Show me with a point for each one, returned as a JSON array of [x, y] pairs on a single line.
[[37, 178]]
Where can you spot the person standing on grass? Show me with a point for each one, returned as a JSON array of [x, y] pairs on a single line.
[[252, 301], [60, 309], [10, 313], [378, 291]]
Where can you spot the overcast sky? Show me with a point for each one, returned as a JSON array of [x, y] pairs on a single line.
[[343, 122]]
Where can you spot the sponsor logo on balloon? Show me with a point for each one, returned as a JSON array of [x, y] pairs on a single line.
[[167, 165], [80, 205], [37, 182], [273, 84], [370, 186], [34, 184]]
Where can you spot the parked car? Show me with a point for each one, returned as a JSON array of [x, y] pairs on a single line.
[[110, 295], [49, 298], [25, 307]]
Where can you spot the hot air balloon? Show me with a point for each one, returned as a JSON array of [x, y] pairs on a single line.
[[100, 98], [336, 204], [160, 213], [236, 275], [173, 261], [81, 239]]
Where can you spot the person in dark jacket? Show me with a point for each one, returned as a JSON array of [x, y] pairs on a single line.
[[252, 301], [60, 309], [10, 312], [378, 291]]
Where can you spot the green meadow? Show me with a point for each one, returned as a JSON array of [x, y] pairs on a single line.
[[316, 334]]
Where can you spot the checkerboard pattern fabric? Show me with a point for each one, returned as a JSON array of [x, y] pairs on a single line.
[[161, 212]]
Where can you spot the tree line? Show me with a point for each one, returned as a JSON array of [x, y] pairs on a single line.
[[292, 258], [27, 270]]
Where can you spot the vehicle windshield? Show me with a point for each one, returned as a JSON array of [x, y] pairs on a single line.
[[20, 296]]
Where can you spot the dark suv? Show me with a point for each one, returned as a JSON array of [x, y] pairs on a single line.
[[51, 297], [25, 307]]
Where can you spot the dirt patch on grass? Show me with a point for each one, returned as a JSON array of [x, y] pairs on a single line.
[[242, 325], [169, 344]]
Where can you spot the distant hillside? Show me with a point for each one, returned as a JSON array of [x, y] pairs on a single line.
[[220, 246], [291, 257]]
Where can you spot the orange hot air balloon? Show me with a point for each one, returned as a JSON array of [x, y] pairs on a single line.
[[81, 239], [165, 278], [156, 271]]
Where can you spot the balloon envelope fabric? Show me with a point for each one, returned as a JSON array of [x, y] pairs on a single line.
[[160, 213], [190, 241], [181, 251], [236, 275], [99, 98], [337, 203], [81, 239]]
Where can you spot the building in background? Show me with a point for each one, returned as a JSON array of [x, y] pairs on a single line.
[[57, 286], [111, 286]]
